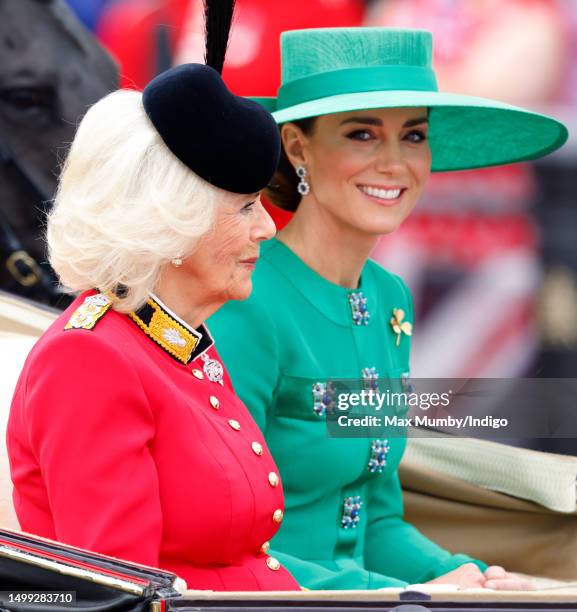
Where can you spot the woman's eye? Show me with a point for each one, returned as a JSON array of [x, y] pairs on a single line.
[[360, 135], [248, 207], [416, 136]]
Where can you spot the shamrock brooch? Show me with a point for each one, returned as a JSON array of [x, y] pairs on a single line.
[[399, 326]]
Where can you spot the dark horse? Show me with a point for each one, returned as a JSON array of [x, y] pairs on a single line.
[[51, 71]]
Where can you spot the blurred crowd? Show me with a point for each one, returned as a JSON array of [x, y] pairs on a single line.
[[490, 255]]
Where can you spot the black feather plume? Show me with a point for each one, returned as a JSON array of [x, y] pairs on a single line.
[[217, 23]]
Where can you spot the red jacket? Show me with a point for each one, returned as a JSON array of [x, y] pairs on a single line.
[[116, 447]]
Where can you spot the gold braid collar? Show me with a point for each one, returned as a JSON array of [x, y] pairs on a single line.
[[182, 343]]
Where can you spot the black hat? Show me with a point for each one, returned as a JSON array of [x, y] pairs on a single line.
[[229, 141]]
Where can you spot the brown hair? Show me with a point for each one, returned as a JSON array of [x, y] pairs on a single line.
[[282, 189]]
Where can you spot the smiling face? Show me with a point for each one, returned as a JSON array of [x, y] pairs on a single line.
[[221, 267], [366, 169]]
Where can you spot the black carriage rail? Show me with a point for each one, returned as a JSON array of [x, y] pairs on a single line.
[[104, 584]]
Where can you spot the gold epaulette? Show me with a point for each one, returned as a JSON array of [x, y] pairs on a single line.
[[89, 312]]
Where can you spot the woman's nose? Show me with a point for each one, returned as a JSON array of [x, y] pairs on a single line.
[[390, 158], [265, 228]]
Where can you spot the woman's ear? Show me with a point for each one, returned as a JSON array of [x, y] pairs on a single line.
[[294, 143]]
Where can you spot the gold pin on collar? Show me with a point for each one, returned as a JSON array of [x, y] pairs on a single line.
[[399, 325]]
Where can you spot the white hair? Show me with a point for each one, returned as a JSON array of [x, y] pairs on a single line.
[[125, 205]]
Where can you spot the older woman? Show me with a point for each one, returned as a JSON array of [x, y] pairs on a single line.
[[125, 435], [362, 126]]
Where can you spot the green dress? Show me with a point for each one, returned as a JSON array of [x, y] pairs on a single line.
[[343, 526]]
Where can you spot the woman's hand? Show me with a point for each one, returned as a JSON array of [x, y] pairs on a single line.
[[469, 576], [501, 580]]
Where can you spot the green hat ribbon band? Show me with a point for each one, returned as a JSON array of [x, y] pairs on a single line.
[[354, 80]]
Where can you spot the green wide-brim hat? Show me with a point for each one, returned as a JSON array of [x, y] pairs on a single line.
[[334, 70]]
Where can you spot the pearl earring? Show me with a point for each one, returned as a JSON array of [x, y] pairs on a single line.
[[176, 262], [303, 187]]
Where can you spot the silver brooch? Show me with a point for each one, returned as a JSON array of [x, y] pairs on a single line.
[[323, 398], [351, 512], [213, 369], [359, 312], [378, 458], [406, 382], [370, 378]]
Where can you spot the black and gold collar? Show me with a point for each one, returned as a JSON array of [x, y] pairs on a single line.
[[170, 332]]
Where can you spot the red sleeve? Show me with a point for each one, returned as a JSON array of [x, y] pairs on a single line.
[[90, 425]]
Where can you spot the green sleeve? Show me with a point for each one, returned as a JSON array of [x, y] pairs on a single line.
[[395, 547], [316, 577], [246, 340]]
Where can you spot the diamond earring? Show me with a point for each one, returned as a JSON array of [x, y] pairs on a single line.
[[303, 187], [176, 262]]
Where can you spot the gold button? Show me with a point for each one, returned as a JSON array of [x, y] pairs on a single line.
[[198, 374], [234, 424], [256, 448], [214, 402], [265, 547], [273, 563], [277, 516], [273, 479]]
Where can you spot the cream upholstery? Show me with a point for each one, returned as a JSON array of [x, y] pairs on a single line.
[[20, 316]]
